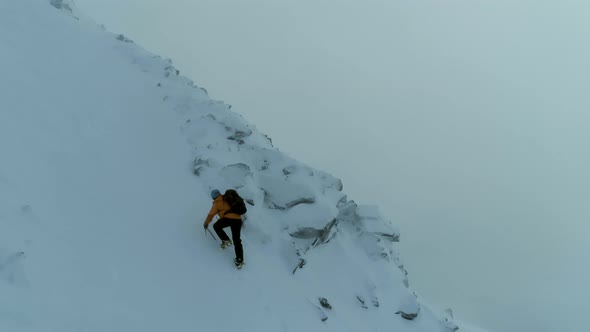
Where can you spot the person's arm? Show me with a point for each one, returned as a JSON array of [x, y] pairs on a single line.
[[212, 213]]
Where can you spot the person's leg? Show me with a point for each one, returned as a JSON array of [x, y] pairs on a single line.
[[219, 226], [236, 227]]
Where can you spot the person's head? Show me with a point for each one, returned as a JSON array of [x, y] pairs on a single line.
[[215, 193]]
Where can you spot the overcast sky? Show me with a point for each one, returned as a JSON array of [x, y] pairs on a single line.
[[467, 121]]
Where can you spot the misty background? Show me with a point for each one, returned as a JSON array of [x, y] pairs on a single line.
[[466, 121]]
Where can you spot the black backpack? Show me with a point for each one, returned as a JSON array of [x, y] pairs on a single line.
[[236, 203]]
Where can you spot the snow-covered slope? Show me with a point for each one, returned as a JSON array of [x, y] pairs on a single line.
[[108, 156]]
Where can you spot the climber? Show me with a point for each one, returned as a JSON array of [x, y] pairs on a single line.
[[229, 207]]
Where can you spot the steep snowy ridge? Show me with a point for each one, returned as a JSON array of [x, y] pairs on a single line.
[[108, 156]]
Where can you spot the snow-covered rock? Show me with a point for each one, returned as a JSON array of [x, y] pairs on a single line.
[[409, 307], [373, 222], [70, 8]]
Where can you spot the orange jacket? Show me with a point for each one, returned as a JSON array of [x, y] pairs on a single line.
[[220, 208]]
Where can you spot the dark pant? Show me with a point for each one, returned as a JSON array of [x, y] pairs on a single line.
[[236, 226]]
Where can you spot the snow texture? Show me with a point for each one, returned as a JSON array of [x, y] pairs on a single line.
[[108, 157]]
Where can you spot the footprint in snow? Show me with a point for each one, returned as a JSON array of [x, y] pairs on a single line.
[[11, 269]]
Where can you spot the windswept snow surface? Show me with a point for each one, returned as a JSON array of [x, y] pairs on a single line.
[[107, 159]]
